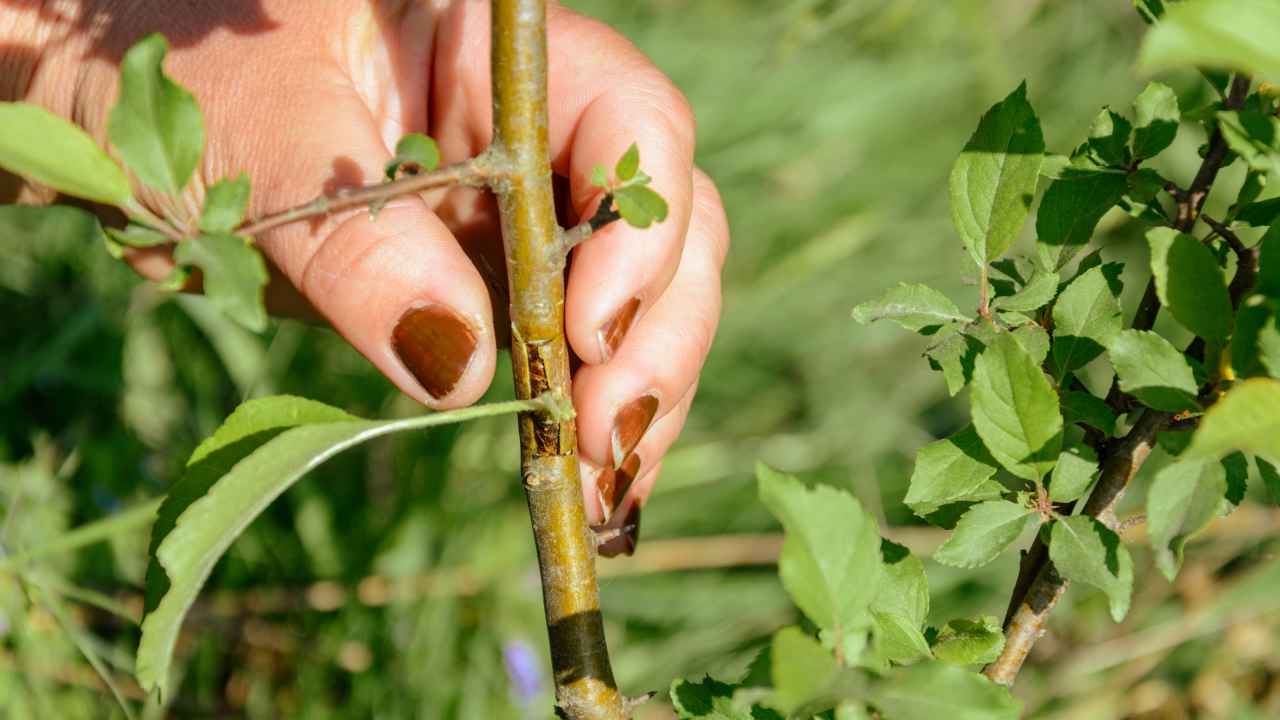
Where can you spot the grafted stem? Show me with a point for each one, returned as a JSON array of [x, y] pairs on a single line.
[[534, 244]]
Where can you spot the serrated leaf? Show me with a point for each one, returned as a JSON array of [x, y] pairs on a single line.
[[1015, 409], [1224, 34], [43, 147], [984, 531], [639, 205], [932, 690], [1156, 118], [969, 642], [628, 164], [1153, 371], [414, 150], [1085, 551], [1034, 339], [259, 452], [901, 605], [830, 558], [156, 124], [234, 275], [1255, 344], [1182, 500], [706, 700], [1037, 293], [1246, 418], [914, 307], [1075, 471], [224, 206], [803, 670], [1109, 139], [1086, 318], [49, 223], [1086, 409], [953, 355], [1252, 135], [994, 179], [955, 469]]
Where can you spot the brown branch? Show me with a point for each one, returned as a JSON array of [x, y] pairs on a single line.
[[585, 687], [476, 172]]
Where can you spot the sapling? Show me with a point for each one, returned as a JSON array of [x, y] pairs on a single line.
[[156, 129]]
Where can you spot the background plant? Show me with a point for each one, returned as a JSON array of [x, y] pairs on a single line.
[[380, 567]]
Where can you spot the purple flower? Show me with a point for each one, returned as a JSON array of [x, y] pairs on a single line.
[[523, 670]]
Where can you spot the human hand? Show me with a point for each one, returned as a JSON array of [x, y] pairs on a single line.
[[310, 97]]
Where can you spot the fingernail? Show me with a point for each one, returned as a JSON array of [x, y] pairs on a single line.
[[612, 485], [436, 346], [628, 537], [630, 424], [610, 334]]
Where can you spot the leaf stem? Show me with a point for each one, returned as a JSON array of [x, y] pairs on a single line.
[[476, 172]]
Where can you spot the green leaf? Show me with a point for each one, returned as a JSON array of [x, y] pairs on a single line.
[[1156, 120], [901, 605], [1260, 214], [156, 124], [983, 533], [914, 307], [1255, 344], [994, 179], [954, 355], [1153, 371], [257, 454], [1150, 10], [224, 206], [1085, 551], [1037, 293], [1270, 478], [1268, 282], [600, 177], [1073, 474], [803, 670], [628, 164], [49, 223], [830, 561], [1182, 500], [1034, 339], [1236, 468], [1086, 318], [956, 469], [1015, 409], [1070, 210], [933, 690], [1086, 409], [43, 147], [1109, 139], [415, 153], [639, 205], [1224, 34], [1252, 135], [138, 235], [1246, 418], [234, 275], [706, 700], [969, 642]]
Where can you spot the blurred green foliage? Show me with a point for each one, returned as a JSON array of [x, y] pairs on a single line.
[[398, 580]]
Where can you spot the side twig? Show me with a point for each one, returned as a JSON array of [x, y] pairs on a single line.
[[1039, 586]]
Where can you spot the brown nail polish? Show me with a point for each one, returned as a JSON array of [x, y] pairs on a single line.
[[611, 333], [612, 485], [627, 537], [630, 424], [436, 346]]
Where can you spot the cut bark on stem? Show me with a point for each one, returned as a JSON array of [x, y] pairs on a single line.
[[585, 688]]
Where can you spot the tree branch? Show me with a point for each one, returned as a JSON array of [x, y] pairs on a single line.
[[1039, 586], [476, 172], [585, 688]]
